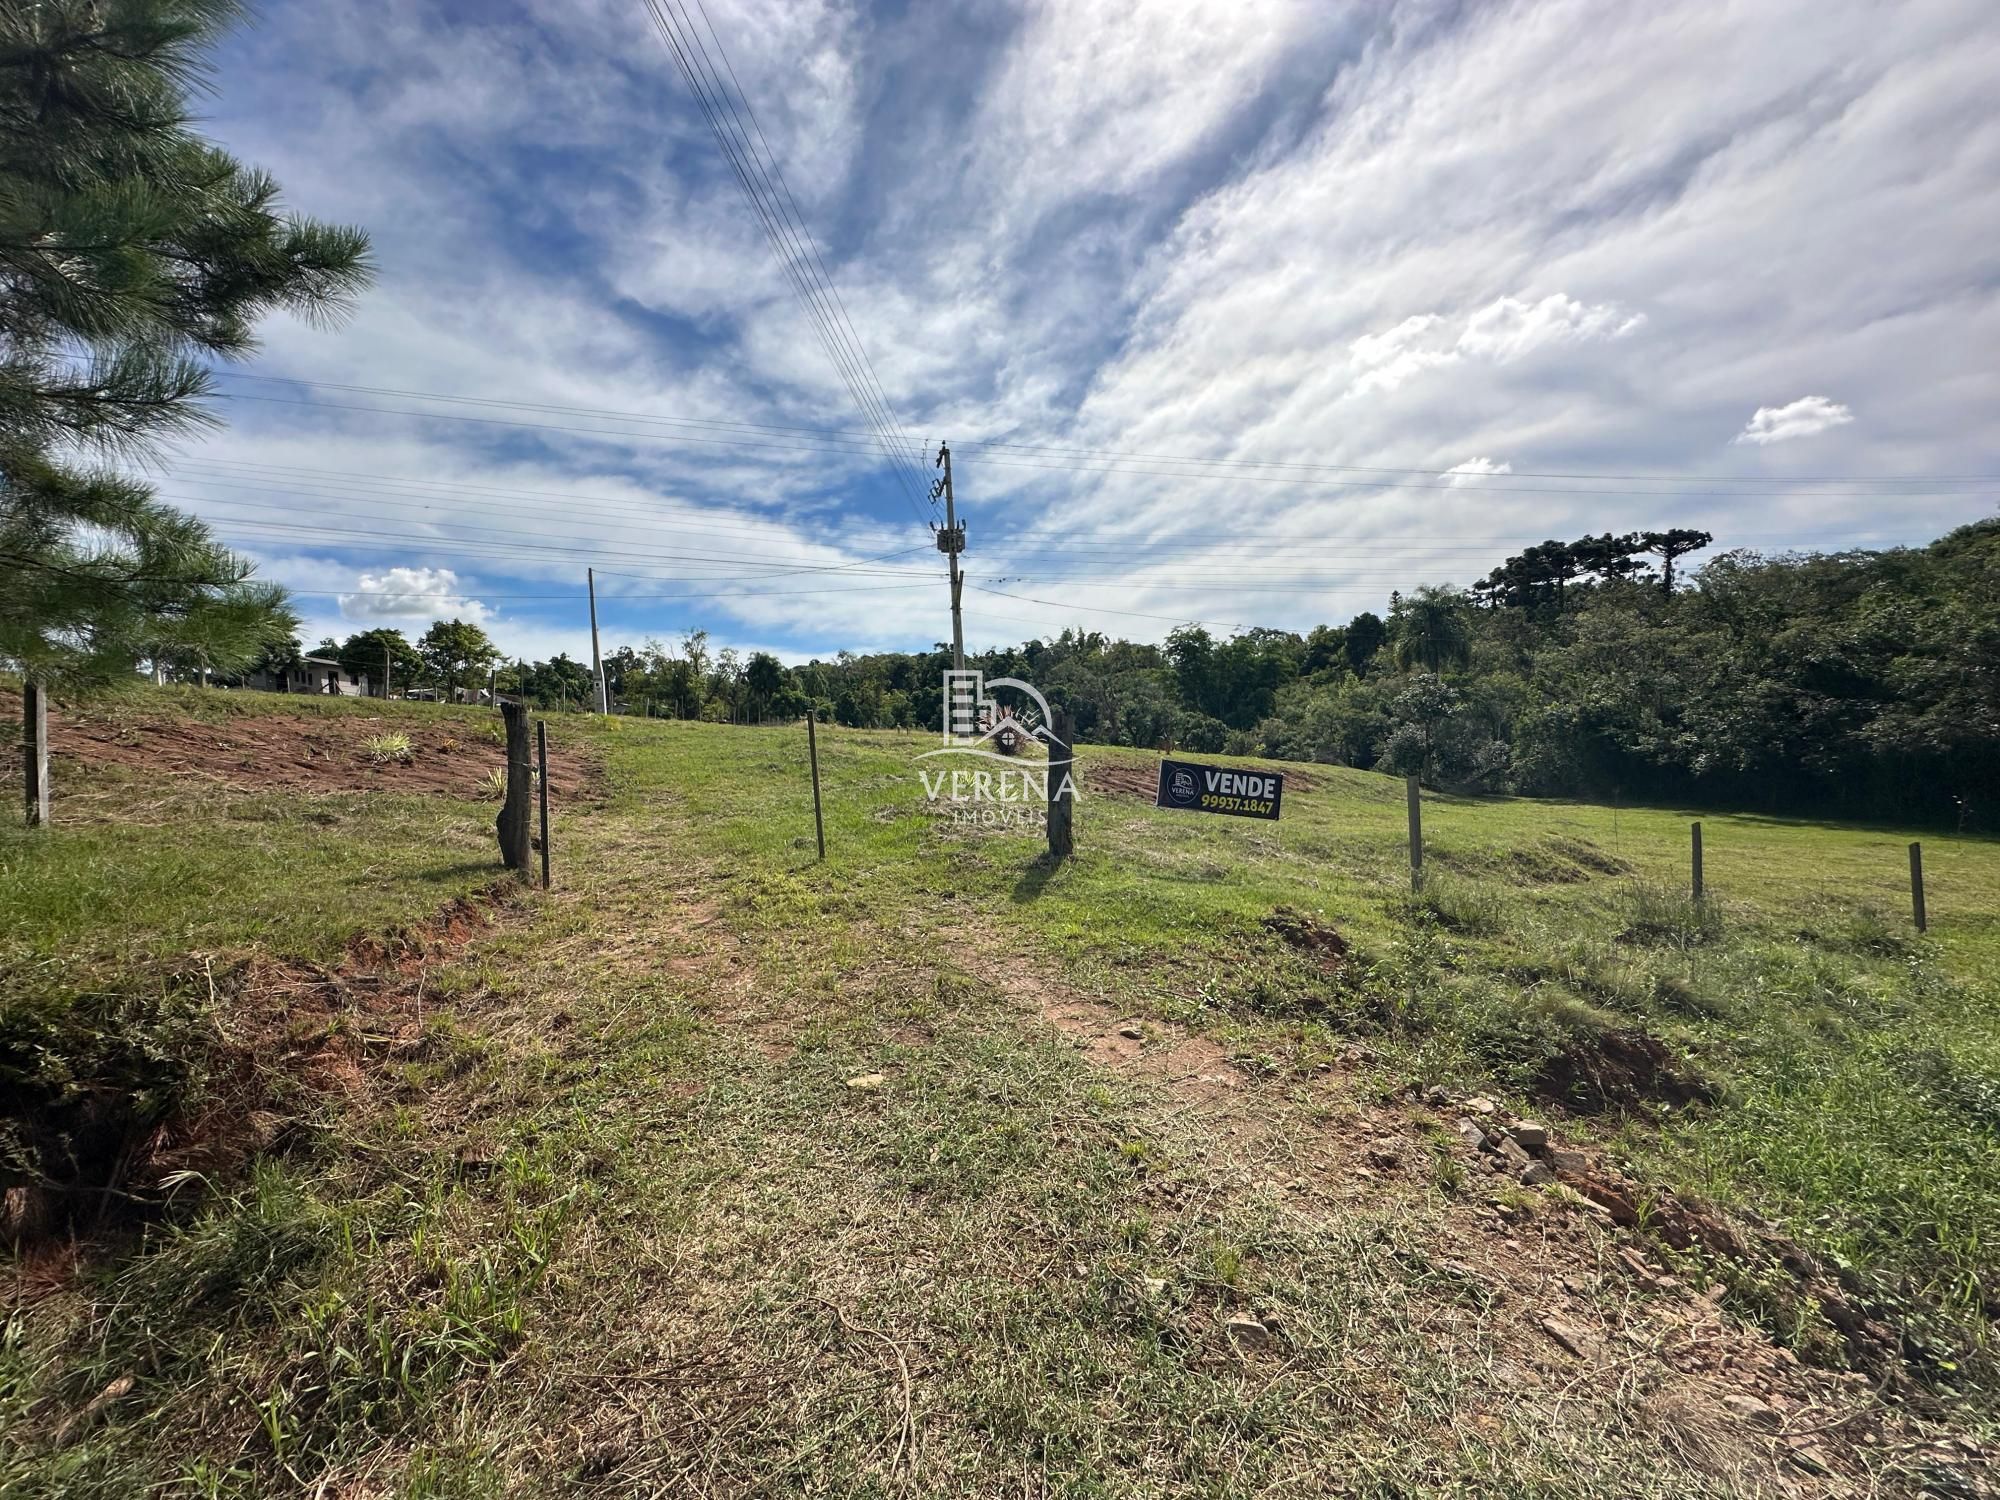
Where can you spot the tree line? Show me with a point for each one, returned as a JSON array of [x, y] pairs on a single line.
[[1864, 682]]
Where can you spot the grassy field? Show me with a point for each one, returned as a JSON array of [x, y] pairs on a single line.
[[931, 1170]]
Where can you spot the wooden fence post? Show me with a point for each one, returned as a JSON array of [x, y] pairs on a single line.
[[812, 752], [35, 752], [1062, 786], [542, 771], [512, 824], [1697, 861], [1917, 886], [1414, 792]]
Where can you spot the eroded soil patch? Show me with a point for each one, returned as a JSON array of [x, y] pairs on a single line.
[[1618, 1069], [280, 752], [220, 1066]]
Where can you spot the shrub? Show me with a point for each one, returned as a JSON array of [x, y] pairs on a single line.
[[383, 748]]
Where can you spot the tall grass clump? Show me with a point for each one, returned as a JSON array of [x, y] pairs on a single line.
[[1662, 916]]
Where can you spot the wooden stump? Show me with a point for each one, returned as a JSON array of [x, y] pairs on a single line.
[[35, 752], [512, 824], [1062, 786]]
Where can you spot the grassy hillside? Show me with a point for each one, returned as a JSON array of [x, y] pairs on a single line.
[[929, 1170]]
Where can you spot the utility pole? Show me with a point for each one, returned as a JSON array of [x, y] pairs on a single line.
[[951, 542], [596, 660]]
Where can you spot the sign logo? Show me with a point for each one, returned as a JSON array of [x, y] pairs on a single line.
[[1189, 787], [976, 722], [979, 726]]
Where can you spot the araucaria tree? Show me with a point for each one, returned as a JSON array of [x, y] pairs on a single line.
[[132, 254]]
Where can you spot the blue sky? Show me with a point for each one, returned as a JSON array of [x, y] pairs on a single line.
[[1446, 251]]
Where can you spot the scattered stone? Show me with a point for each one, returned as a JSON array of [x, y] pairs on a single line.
[[1153, 1286], [1472, 1135], [1435, 1095], [1131, 1033], [1532, 1135], [1247, 1333], [1750, 1409], [868, 1083], [1570, 1338], [1384, 1154], [1479, 1104], [1568, 1161], [1607, 1198], [1535, 1173], [1512, 1154], [1634, 1262], [1811, 1457]]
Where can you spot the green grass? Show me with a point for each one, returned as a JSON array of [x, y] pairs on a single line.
[[617, 1222]]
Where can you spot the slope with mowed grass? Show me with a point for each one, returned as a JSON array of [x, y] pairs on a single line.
[[932, 1170]]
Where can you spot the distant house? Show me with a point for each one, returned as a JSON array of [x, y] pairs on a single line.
[[313, 674]]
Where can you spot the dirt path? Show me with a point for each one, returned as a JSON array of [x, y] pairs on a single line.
[[1583, 1299]]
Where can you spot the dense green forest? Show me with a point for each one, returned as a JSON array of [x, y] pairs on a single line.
[[1860, 683]]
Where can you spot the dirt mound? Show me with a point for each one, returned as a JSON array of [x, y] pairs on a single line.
[[1309, 935], [306, 753], [1561, 861], [1618, 1070]]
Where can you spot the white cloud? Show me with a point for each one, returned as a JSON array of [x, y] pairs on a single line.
[[1386, 360], [1472, 471], [411, 594], [1501, 332], [1800, 418], [1358, 236], [1511, 329]]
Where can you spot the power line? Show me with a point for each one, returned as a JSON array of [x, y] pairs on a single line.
[[1483, 489], [423, 501], [1104, 610], [826, 276], [476, 546], [1261, 463], [875, 441], [1256, 543], [481, 596], [868, 440], [705, 84]]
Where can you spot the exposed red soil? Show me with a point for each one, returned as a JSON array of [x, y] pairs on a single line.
[[286, 1032], [301, 753], [1311, 936], [1618, 1070]]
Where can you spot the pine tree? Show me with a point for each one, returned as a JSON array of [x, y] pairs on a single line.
[[132, 253]]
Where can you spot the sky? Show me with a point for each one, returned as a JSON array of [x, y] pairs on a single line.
[[1417, 284]]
